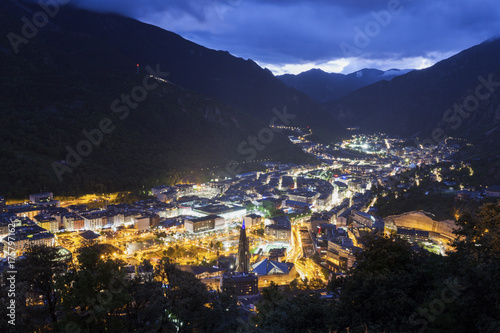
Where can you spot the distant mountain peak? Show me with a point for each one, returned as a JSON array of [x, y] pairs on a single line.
[[323, 86], [435, 102]]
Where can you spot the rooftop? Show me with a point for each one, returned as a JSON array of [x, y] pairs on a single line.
[[89, 235], [218, 209], [204, 218], [269, 267]]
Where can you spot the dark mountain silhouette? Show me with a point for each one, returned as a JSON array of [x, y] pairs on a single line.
[[324, 86], [64, 79], [417, 103]]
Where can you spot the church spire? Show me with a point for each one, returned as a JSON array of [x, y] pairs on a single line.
[[243, 259]]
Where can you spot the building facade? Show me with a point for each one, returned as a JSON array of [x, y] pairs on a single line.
[[240, 284], [280, 228], [202, 224]]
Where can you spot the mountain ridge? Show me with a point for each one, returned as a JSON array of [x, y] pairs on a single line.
[[422, 103], [324, 87], [64, 80]]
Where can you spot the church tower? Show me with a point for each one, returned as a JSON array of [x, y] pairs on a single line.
[[243, 259]]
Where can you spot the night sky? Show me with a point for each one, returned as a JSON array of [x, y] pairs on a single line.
[[291, 36]]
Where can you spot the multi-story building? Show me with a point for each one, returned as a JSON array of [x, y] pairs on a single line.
[[324, 199], [240, 284], [8, 221], [142, 223], [304, 196], [95, 220], [206, 223], [252, 220], [343, 219], [338, 210], [339, 257], [79, 222], [280, 228], [362, 219], [323, 234], [116, 219], [24, 210], [47, 222], [41, 197], [27, 235], [223, 211], [298, 206], [159, 189], [44, 199], [22, 242], [319, 218], [68, 221]]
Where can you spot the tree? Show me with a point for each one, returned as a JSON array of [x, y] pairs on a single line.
[[33, 289], [388, 285], [40, 268], [476, 268], [146, 305], [259, 231], [94, 293], [146, 264], [271, 296], [187, 304], [302, 313], [479, 235]]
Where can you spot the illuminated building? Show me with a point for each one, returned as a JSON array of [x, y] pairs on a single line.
[[243, 259], [274, 271], [207, 223], [280, 228], [241, 282]]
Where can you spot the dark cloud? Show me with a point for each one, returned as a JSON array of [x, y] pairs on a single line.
[[278, 32], [137, 9]]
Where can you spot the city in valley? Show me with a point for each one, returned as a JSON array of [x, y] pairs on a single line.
[[225, 166], [298, 226]]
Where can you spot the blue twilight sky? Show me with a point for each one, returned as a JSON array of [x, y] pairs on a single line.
[[291, 36]]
